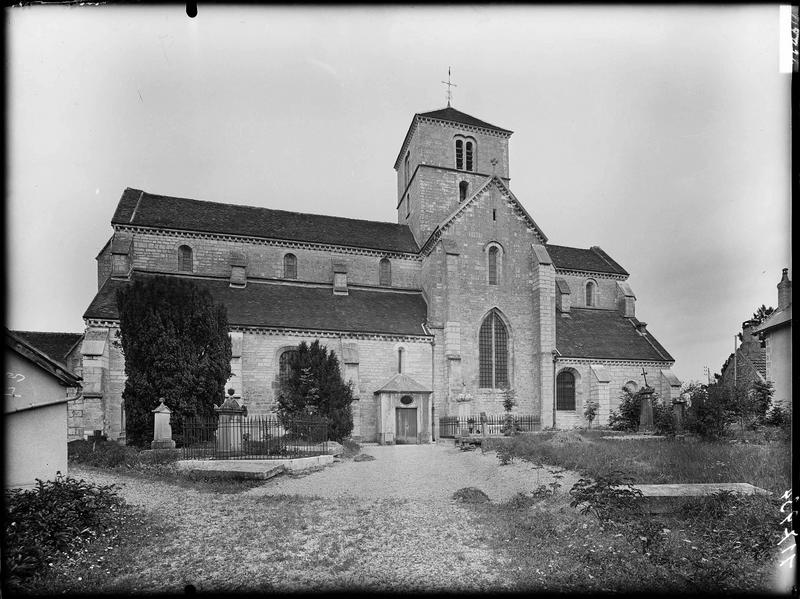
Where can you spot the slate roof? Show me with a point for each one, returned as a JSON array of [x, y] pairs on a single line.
[[780, 317], [605, 334], [22, 347], [456, 116], [56, 346], [297, 307], [593, 260], [137, 207]]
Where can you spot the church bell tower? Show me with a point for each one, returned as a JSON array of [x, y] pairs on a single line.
[[445, 157]]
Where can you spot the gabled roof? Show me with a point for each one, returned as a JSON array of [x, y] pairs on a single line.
[[56, 369], [56, 346], [278, 305], [778, 318], [491, 179], [448, 115], [593, 260], [143, 209], [605, 334], [402, 383]]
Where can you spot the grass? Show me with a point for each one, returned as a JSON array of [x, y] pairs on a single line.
[[660, 461]]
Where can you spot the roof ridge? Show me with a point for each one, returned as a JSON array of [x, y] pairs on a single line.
[[249, 206]]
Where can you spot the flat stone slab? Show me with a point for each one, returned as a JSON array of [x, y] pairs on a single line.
[[661, 499], [254, 468], [698, 489], [629, 437]]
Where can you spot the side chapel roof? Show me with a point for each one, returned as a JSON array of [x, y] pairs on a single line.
[[277, 305], [605, 334], [594, 259], [139, 208]]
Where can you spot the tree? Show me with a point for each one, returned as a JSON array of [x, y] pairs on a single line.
[[176, 347], [315, 387], [759, 316]]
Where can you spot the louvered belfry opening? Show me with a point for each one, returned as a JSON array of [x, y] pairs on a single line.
[[493, 352]]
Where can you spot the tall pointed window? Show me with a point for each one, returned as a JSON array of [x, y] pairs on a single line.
[[565, 391], [290, 266], [465, 153], [591, 292], [493, 265], [493, 352], [185, 259], [462, 191], [385, 273]]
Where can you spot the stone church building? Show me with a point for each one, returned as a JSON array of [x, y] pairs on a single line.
[[432, 316]]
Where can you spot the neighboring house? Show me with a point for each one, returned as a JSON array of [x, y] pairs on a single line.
[[64, 348], [38, 389], [463, 296], [776, 334], [748, 364]]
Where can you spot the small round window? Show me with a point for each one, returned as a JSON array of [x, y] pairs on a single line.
[[406, 400]]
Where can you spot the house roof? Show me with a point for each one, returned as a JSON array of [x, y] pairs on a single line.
[[278, 305], [20, 346], [456, 116], [593, 260], [144, 209], [776, 319], [55, 345], [605, 334], [402, 383]]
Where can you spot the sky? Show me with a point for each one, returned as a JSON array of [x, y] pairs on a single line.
[[661, 134]]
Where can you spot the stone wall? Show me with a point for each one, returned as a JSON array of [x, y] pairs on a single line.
[[606, 294]]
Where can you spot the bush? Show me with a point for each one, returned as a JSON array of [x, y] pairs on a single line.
[[52, 518], [103, 454], [607, 497], [708, 414], [630, 407], [663, 418]]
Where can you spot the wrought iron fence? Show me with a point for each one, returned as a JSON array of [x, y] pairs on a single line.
[[496, 424], [252, 438]]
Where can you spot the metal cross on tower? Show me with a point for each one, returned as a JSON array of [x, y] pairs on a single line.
[[449, 85]]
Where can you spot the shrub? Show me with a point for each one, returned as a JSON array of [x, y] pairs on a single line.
[[663, 418], [590, 411], [708, 414], [630, 407], [607, 497], [103, 454], [54, 517]]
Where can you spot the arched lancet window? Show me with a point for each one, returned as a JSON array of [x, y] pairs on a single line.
[[493, 251], [290, 266], [385, 272], [463, 187], [465, 153], [185, 259], [565, 390], [284, 366], [493, 352], [591, 294], [401, 359]]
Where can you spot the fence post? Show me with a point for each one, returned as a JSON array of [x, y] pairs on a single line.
[[162, 431]]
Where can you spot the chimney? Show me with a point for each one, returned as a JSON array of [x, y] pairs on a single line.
[[784, 291], [238, 262], [747, 331]]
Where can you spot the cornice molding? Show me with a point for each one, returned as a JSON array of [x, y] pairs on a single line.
[[308, 245], [606, 361], [590, 273]]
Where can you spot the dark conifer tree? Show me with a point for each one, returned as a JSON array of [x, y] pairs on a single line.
[[315, 388], [176, 346]]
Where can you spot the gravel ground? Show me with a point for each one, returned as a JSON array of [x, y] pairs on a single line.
[[386, 524], [418, 472]]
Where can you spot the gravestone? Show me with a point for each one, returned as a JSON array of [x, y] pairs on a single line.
[[162, 431], [229, 426], [646, 414], [679, 413]]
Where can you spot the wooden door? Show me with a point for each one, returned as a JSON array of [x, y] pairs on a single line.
[[405, 425]]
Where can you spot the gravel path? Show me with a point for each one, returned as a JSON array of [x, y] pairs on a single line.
[[419, 472], [387, 524]]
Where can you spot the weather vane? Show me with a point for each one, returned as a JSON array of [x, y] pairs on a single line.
[[449, 85]]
